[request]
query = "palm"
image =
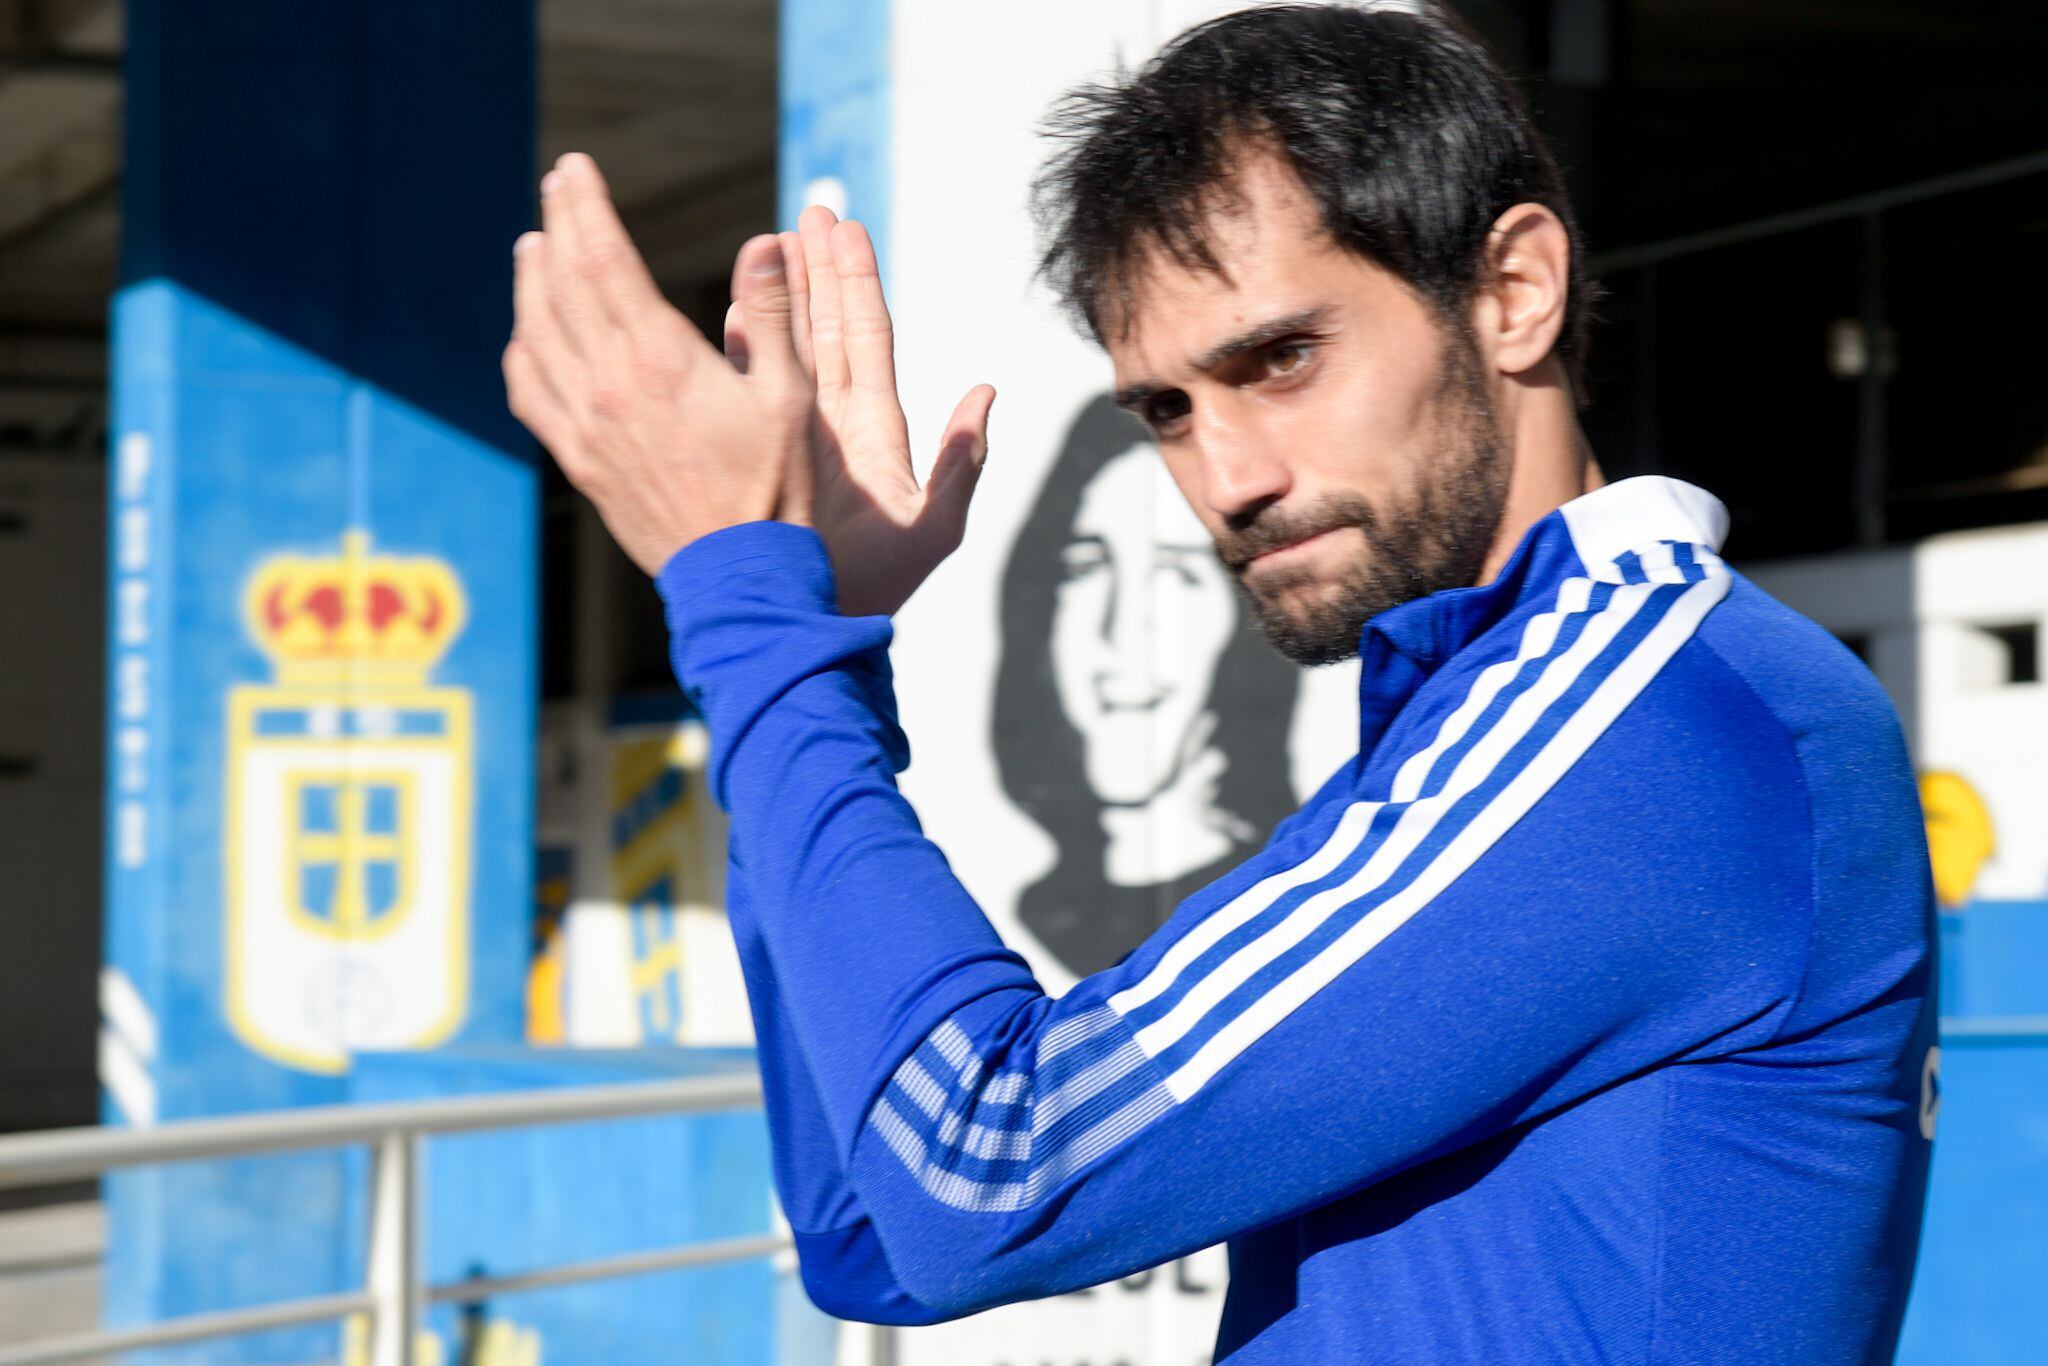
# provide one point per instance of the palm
(865, 483)
(885, 532)
(870, 509)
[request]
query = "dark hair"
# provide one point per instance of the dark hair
(1408, 137)
(1038, 750)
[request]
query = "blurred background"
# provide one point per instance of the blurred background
(340, 763)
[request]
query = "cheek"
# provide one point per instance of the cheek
(1364, 423)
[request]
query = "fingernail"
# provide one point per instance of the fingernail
(525, 242)
(767, 263)
(547, 183)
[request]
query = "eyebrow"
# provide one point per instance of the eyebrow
(1251, 339)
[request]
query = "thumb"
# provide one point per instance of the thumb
(765, 311)
(962, 453)
(736, 337)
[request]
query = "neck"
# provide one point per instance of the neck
(1552, 461)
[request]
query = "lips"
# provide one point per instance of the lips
(1272, 542)
(1284, 552)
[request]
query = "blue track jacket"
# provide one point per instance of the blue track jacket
(1585, 1015)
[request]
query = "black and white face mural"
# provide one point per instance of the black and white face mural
(1138, 716)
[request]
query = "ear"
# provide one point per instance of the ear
(1518, 309)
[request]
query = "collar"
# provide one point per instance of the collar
(1635, 515)
(1595, 535)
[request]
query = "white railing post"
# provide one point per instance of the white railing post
(394, 1272)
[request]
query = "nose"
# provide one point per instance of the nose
(1242, 470)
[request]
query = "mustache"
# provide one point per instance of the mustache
(1272, 529)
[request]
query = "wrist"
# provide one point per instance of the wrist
(664, 550)
(729, 558)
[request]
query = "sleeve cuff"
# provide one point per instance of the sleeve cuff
(769, 562)
(753, 612)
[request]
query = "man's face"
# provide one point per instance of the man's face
(1334, 437)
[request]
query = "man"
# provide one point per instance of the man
(1583, 1016)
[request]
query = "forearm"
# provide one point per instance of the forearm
(873, 940)
(844, 1267)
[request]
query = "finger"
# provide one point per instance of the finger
(534, 401)
(533, 317)
(799, 297)
(828, 349)
(765, 307)
(967, 428)
(870, 339)
(736, 334)
(963, 453)
(799, 300)
(529, 302)
(576, 314)
(606, 257)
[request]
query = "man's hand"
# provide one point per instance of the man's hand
(885, 532)
(640, 411)
(804, 425)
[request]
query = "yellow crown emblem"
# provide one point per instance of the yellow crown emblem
(368, 618)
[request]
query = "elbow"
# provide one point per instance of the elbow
(943, 1296)
(846, 1275)
(951, 1281)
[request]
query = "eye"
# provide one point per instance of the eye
(1163, 410)
(1290, 356)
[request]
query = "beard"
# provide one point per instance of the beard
(1432, 537)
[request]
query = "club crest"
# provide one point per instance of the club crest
(348, 821)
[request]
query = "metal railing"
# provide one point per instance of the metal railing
(394, 1294)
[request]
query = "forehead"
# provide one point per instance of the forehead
(1275, 258)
